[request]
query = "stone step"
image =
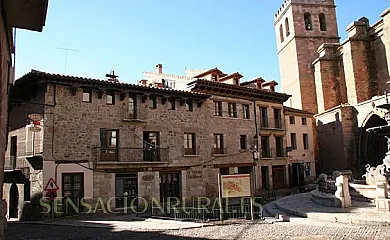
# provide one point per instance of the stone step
(271, 210)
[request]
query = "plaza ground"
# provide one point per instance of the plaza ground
(300, 229)
(306, 220)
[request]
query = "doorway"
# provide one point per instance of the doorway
(13, 201)
(264, 178)
(72, 191)
(278, 177)
(170, 185)
(126, 190)
(297, 175)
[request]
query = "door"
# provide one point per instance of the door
(170, 185)
(151, 142)
(278, 177)
(125, 190)
(13, 201)
(72, 191)
(264, 178)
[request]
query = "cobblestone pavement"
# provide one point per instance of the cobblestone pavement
(304, 229)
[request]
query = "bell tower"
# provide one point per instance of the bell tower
(301, 27)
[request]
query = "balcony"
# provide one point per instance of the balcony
(131, 155)
(12, 163)
(272, 153)
(273, 123)
(217, 151)
(191, 151)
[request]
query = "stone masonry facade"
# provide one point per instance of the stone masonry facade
(72, 140)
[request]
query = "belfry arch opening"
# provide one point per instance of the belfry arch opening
(371, 148)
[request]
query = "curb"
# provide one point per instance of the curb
(331, 218)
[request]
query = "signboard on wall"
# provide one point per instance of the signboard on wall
(238, 185)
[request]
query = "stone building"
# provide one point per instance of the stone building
(302, 166)
(300, 141)
(340, 82)
(13, 15)
(115, 141)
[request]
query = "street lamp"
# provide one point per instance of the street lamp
(255, 148)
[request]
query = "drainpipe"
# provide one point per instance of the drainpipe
(256, 147)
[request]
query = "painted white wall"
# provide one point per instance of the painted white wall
(49, 172)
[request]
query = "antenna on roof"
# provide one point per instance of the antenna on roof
(66, 54)
(112, 77)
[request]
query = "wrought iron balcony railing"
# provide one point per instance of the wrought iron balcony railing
(273, 152)
(191, 151)
(219, 151)
(131, 154)
(272, 123)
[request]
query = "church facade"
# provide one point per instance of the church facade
(341, 82)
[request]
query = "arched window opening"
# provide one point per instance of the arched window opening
(281, 33)
(308, 24)
(322, 22)
(287, 26)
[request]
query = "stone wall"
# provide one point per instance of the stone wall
(5, 80)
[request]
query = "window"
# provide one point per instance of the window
(292, 120)
(293, 137)
(278, 118)
(281, 33)
(72, 188)
(322, 22)
(246, 111)
(243, 142)
(132, 108)
(305, 141)
(87, 95)
(152, 102)
(232, 110)
(307, 19)
(236, 82)
(213, 77)
(265, 150)
(189, 106)
(218, 143)
(244, 170)
(13, 152)
(108, 145)
(263, 117)
(110, 98)
(287, 26)
(224, 171)
(171, 104)
(304, 121)
(279, 147)
(218, 108)
(189, 144)
(168, 83)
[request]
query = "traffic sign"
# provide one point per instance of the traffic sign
(51, 195)
(51, 185)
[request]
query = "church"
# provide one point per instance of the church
(340, 81)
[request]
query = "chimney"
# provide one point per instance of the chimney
(159, 68)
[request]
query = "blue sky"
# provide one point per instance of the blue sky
(131, 36)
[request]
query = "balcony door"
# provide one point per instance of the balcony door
(151, 143)
(109, 145)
